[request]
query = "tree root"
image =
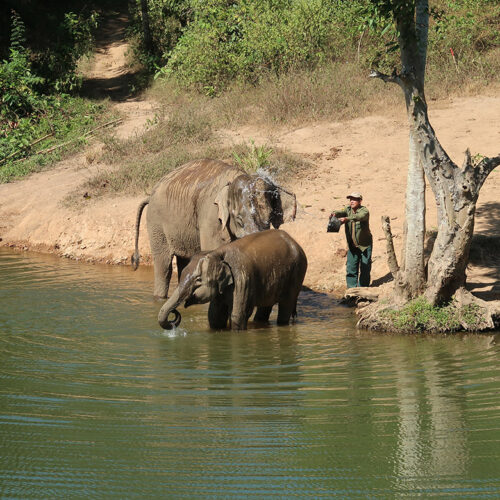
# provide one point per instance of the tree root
(361, 293)
(487, 313)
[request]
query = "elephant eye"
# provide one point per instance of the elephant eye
(239, 220)
(198, 280)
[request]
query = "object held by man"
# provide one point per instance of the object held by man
(333, 224)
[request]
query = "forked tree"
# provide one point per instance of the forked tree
(456, 189)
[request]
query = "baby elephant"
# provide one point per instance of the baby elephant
(258, 270)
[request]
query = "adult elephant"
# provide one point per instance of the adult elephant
(202, 205)
(258, 270)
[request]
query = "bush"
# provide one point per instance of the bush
(462, 33)
(167, 19)
(30, 120)
(207, 45)
(247, 40)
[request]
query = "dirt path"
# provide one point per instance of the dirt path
(110, 76)
(368, 154)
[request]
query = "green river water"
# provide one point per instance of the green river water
(96, 401)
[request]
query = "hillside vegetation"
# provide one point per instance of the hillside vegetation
(210, 44)
(224, 63)
(41, 115)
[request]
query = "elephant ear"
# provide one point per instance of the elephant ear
(225, 277)
(222, 201)
(284, 207)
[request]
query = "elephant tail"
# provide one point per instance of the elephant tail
(135, 258)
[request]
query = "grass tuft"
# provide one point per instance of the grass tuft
(419, 316)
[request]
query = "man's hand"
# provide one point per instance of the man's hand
(343, 220)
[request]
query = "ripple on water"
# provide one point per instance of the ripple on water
(97, 400)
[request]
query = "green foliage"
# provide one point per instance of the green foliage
(53, 37)
(167, 19)
(246, 40)
(251, 157)
(72, 39)
(18, 96)
(207, 45)
(472, 316)
(463, 31)
(63, 125)
(30, 120)
(420, 316)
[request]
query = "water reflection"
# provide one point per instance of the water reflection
(96, 400)
(437, 429)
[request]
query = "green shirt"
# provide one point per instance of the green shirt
(357, 227)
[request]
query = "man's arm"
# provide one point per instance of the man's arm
(340, 213)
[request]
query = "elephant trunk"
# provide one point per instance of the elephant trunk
(170, 308)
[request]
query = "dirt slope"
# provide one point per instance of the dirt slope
(368, 154)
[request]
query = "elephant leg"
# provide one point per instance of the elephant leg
(218, 314)
(286, 307)
(239, 318)
(162, 260)
(181, 264)
(162, 273)
(285, 311)
(243, 307)
(262, 314)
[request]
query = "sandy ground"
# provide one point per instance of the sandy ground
(368, 155)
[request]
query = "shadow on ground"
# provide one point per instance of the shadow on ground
(119, 87)
(485, 254)
(489, 214)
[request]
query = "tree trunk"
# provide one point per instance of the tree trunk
(148, 40)
(413, 251)
(455, 189)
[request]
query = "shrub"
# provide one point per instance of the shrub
(31, 120)
(252, 158)
(206, 45)
(247, 40)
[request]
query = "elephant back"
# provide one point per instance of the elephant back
(196, 176)
(267, 248)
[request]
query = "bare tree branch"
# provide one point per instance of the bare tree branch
(394, 78)
(391, 254)
(487, 165)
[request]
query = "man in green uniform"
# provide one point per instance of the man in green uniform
(359, 240)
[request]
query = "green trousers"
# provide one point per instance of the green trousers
(358, 267)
